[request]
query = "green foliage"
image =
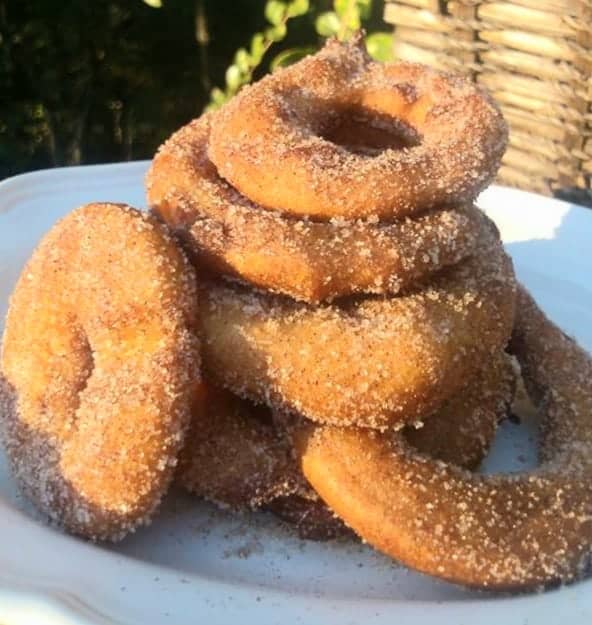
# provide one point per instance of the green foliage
(380, 46)
(346, 18)
(298, 7)
(343, 21)
(276, 12)
(362, 7)
(328, 24)
(290, 56)
(246, 61)
(109, 80)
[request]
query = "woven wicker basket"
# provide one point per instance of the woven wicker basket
(535, 57)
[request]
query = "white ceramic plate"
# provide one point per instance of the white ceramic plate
(198, 565)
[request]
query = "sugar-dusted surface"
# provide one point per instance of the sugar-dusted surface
(308, 260)
(99, 356)
(235, 456)
(462, 430)
(375, 361)
(514, 531)
(175, 570)
(270, 141)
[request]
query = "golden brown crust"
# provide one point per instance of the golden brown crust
(462, 429)
(310, 261)
(372, 362)
(490, 531)
(273, 142)
(100, 360)
(460, 432)
(233, 456)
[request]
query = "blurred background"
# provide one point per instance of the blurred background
(91, 81)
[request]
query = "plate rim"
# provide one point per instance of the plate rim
(55, 603)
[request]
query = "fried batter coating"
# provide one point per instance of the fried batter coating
(373, 362)
(279, 141)
(460, 432)
(100, 361)
(462, 429)
(503, 532)
(307, 260)
(235, 457)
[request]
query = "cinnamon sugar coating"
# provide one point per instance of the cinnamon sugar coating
(278, 141)
(307, 260)
(460, 432)
(375, 362)
(100, 361)
(462, 429)
(235, 456)
(504, 532)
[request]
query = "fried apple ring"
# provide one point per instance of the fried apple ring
(310, 261)
(462, 429)
(235, 457)
(503, 532)
(460, 432)
(373, 362)
(100, 360)
(277, 141)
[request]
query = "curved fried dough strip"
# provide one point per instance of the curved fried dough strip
(236, 457)
(276, 143)
(511, 531)
(373, 362)
(233, 456)
(101, 359)
(462, 430)
(310, 261)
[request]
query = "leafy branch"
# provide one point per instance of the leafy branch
(346, 18)
(246, 61)
(342, 22)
